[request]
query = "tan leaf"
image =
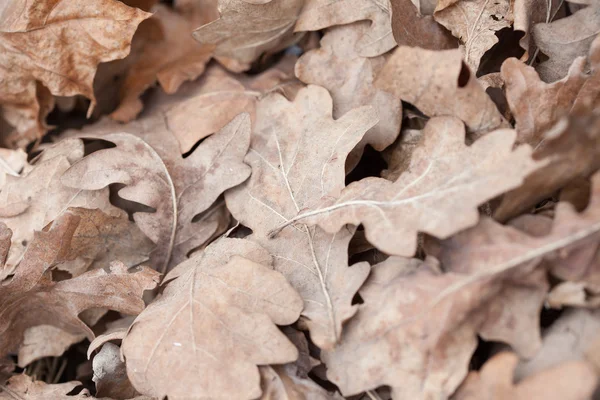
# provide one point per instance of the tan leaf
(349, 79)
(475, 23)
(110, 375)
(439, 83)
(246, 29)
(32, 298)
(59, 45)
(568, 381)
(377, 40)
(115, 330)
(566, 39)
(438, 195)
(527, 14)
(158, 177)
(297, 154)
(45, 341)
(570, 150)
(279, 383)
(24, 387)
(35, 198)
(399, 154)
(211, 327)
(168, 53)
(12, 163)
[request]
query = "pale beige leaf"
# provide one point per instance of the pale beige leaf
(58, 45)
(110, 375)
(278, 383)
(247, 29)
(45, 341)
(349, 79)
(527, 14)
(211, 327)
(23, 387)
(377, 40)
(475, 23)
(297, 154)
(438, 195)
(439, 83)
(115, 330)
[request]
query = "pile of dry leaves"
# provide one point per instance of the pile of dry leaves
(300, 199)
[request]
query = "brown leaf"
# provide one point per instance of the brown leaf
(568, 381)
(439, 83)
(58, 45)
(527, 14)
(349, 79)
(110, 375)
(377, 40)
(168, 53)
(45, 341)
(24, 387)
(32, 298)
(115, 330)
(475, 23)
(246, 29)
(279, 383)
(211, 328)
(297, 154)
(438, 195)
(565, 40)
(158, 177)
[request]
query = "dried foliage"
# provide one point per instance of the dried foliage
(299, 199)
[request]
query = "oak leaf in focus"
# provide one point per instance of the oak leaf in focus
(53, 47)
(24, 387)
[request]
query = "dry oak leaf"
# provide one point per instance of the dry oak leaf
(375, 41)
(475, 23)
(23, 387)
(575, 380)
(41, 341)
(59, 45)
(110, 375)
(115, 330)
(35, 198)
(280, 383)
(32, 298)
(411, 28)
(246, 29)
(183, 191)
(211, 328)
(566, 39)
(297, 154)
(527, 14)
(349, 79)
(170, 56)
(405, 336)
(438, 195)
(570, 150)
(439, 83)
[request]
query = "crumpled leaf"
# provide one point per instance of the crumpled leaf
(297, 154)
(569, 381)
(246, 29)
(168, 54)
(24, 387)
(32, 298)
(349, 79)
(528, 13)
(115, 330)
(475, 23)
(35, 198)
(110, 375)
(566, 39)
(45, 341)
(160, 178)
(439, 83)
(211, 327)
(438, 195)
(55, 47)
(377, 40)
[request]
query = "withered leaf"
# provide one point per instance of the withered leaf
(439, 83)
(32, 298)
(160, 178)
(438, 195)
(377, 40)
(211, 327)
(24, 387)
(349, 79)
(569, 381)
(110, 375)
(475, 23)
(45, 341)
(279, 383)
(57, 45)
(297, 154)
(246, 29)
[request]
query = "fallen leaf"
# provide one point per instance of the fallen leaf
(110, 375)
(115, 330)
(377, 40)
(55, 47)
(45, 341)
(349, 79)
(211, 327)
(475, 23)
(439, 83)
(24, 387)
(246, 29)
(297, 154)
(568, 381)
(278, 383)
(527, 14)
(438, 195)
